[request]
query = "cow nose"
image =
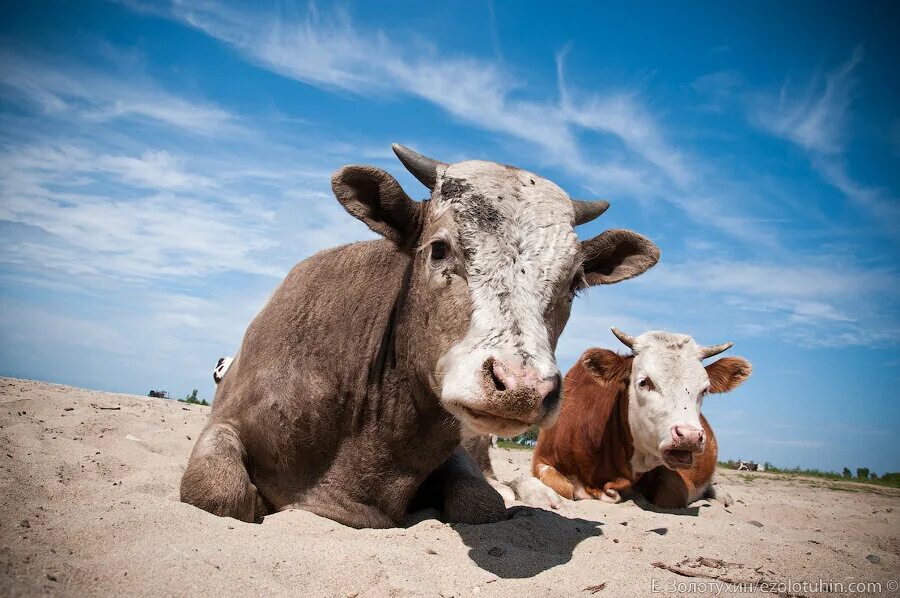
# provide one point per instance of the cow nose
(551, 399)
(510, 377)
(687, 435)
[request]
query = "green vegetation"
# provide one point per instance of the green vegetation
(192, 399)
(524, 441)
(863, 474)
(511, 444)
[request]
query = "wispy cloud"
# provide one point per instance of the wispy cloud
(795, 280)
(64, 164)
(161, 215)
(877, 201)
(621, 115)
(329, 50)
(717, 88)
(812, 302)
(59, 87)
(815, 118)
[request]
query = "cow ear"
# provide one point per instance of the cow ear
(727, 373)
(616, 255)
(375, 197)
(606, 366)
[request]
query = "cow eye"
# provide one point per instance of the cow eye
(646, 384)
(438, 251)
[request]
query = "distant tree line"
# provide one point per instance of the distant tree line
(863, 474)
(192, 399)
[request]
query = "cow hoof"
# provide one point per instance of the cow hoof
(473, 501)
(611, 496)
(535, 493)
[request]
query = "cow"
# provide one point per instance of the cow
(355, 383)
(633, 422)
(749, 466)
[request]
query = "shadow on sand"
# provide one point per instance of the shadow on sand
(645, 505)
(531, 541)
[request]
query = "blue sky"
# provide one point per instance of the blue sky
(163, 166)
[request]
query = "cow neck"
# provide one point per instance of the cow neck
(622, 423)
(386, 357)
(422, 434)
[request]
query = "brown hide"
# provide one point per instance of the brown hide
(298, 408)
(591, 440)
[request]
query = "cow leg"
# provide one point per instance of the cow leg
(611, 491)
(462, 491)
(556, 481)
(216, 479)
(350, 514)
(478, 448)
(534, 492)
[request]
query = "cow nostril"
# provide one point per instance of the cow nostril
(552, 398)
(498, 383)
(678, 432)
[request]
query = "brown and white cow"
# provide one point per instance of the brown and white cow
(634, 421)
(354, 383)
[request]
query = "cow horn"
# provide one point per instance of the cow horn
(421, 167)
(626, 339)
(585, 211)
(714, 350)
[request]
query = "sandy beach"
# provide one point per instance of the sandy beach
(90, 507)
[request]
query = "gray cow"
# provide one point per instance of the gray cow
(354, 383)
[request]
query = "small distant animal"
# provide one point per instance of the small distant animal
(221, 367)
(749, 466)
(354, 385)
(633, 422)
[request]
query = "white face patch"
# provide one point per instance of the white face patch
(519, 249)
(668, 383)
(221, 367)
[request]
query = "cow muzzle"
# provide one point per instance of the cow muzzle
(514, 397)
(686, 442)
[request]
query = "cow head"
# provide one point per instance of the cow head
(495, 266)
(666, 386)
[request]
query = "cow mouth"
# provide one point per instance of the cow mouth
(494, 423)
(678, 458)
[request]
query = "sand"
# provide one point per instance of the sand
(89, 500)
